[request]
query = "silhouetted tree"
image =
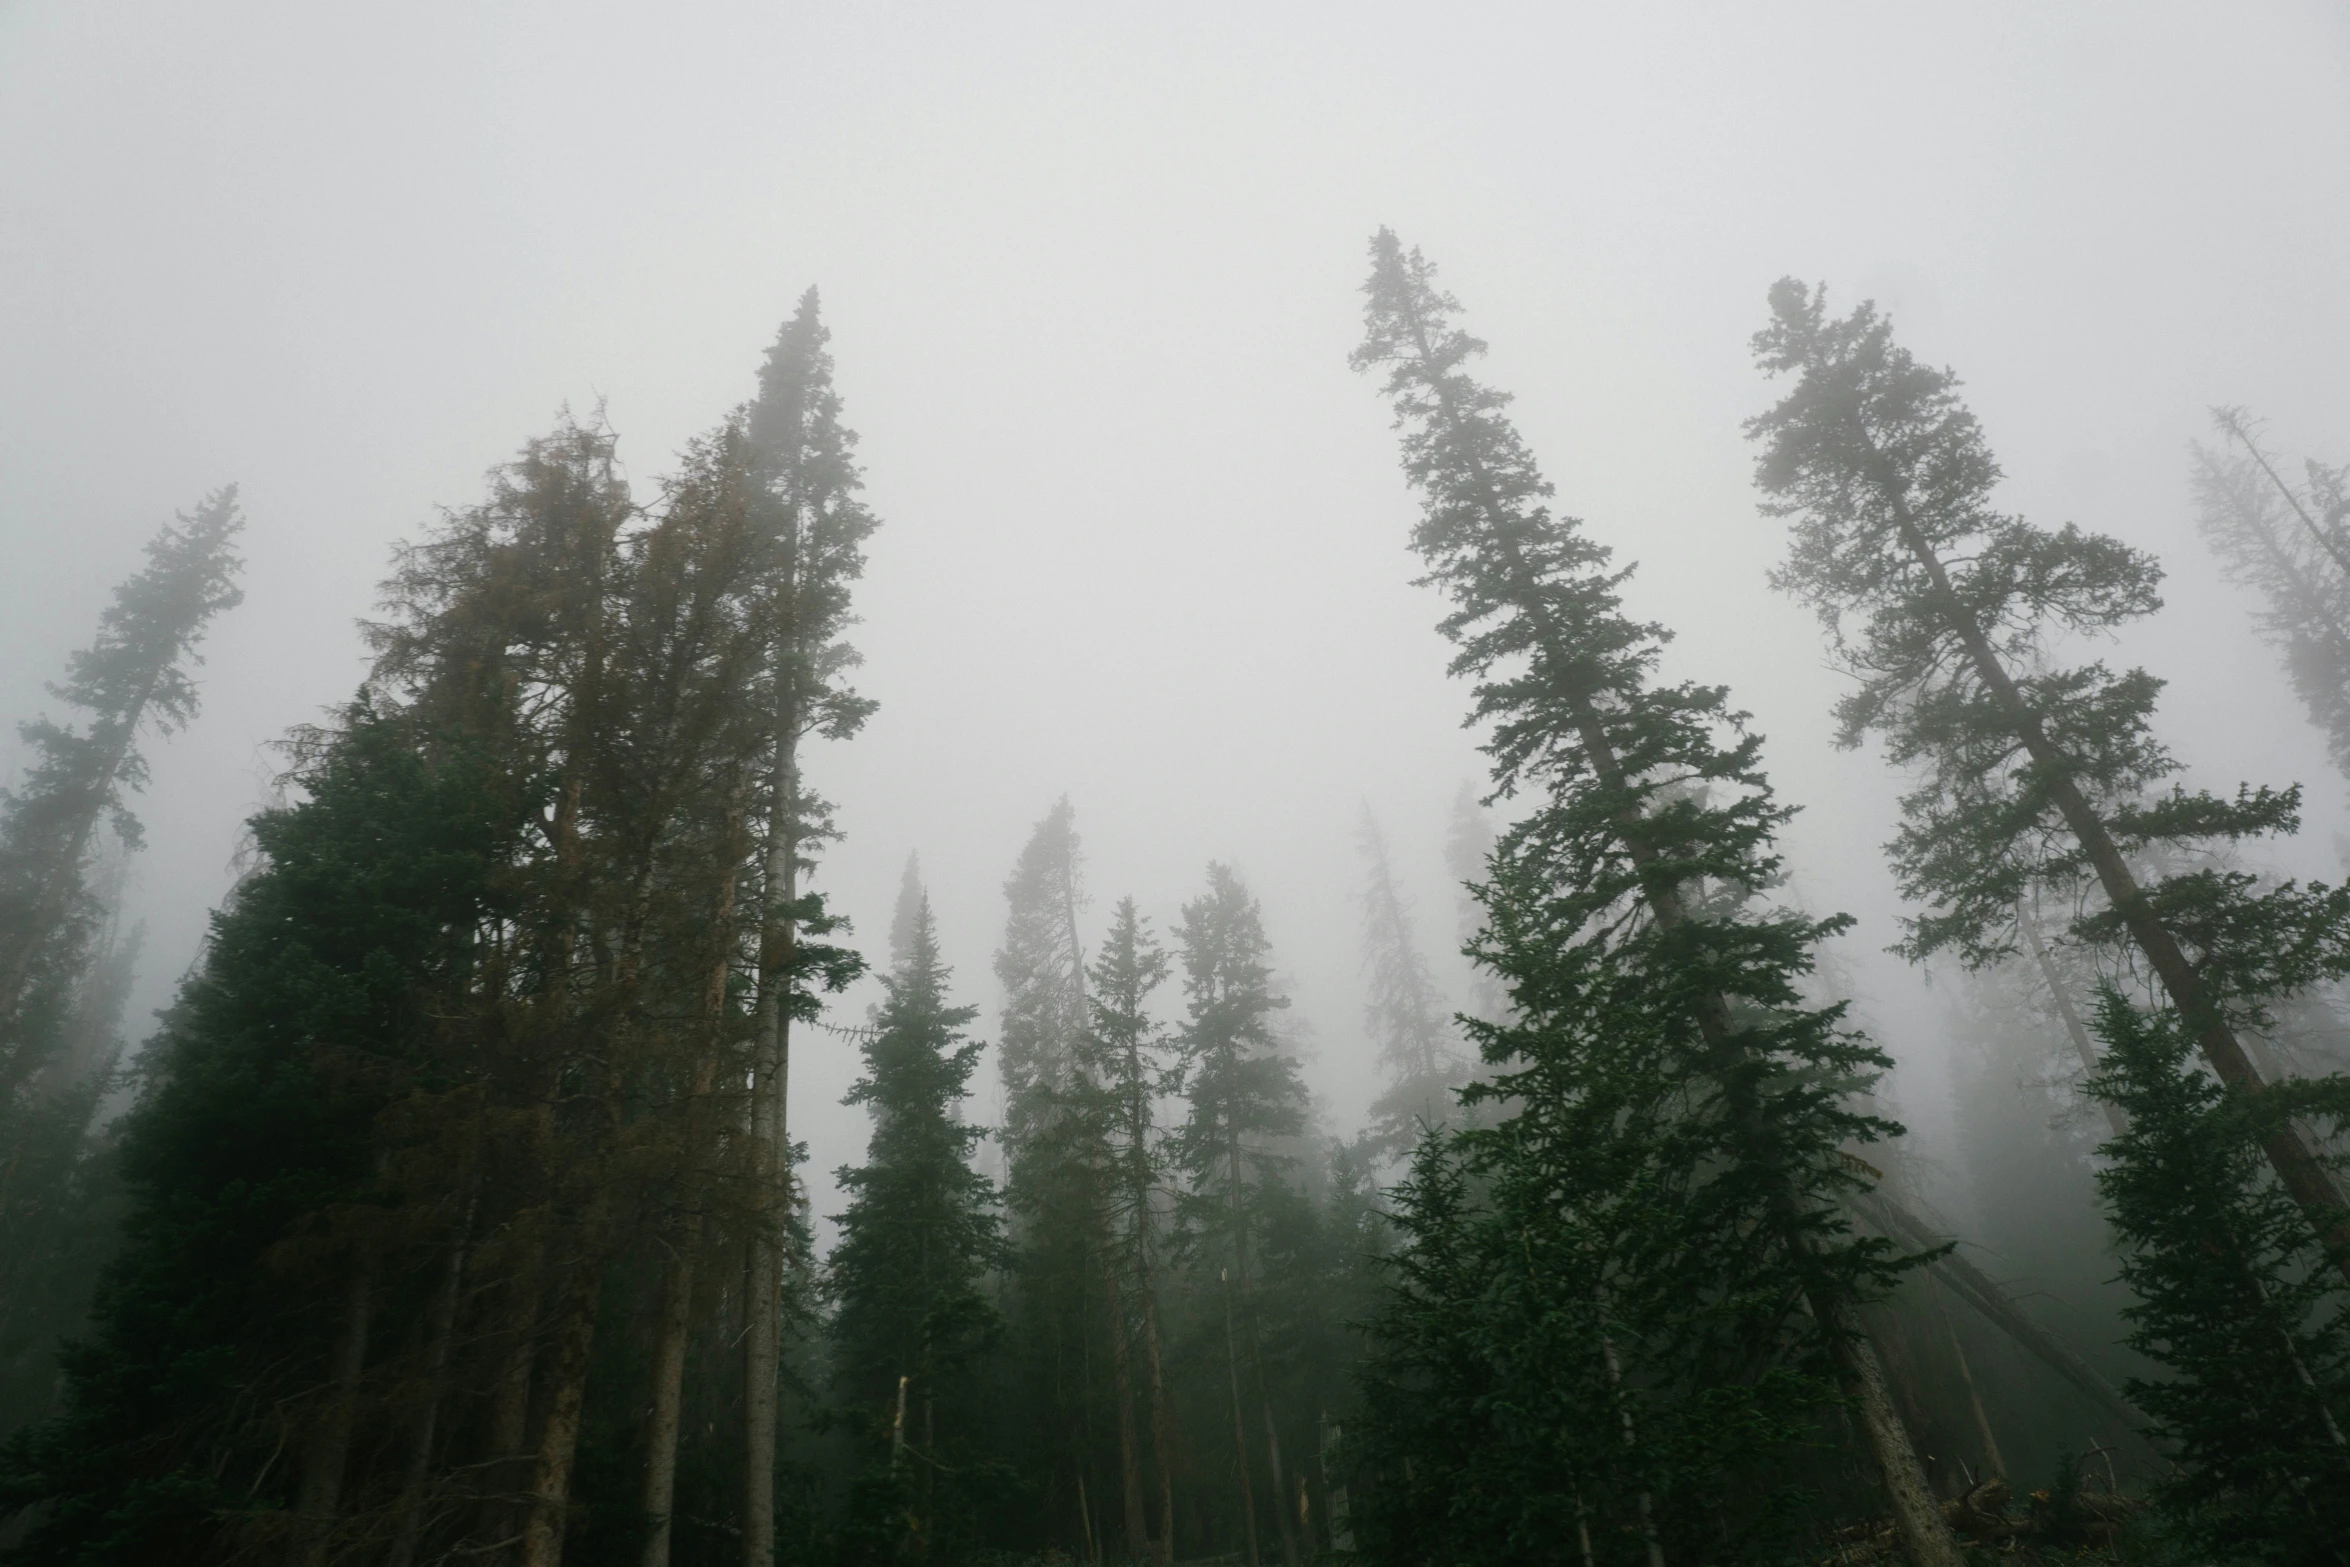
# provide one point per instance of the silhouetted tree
(1644, 983)
(2235, 1298)
(2036, 777)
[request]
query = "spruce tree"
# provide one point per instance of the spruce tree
(1242, 1097)
(2036, 778)
(2290, 544)
(357, 921)
(2235, 1297)
(910, 1317)
(135, 678)
(1059, 1125)
(1406, 1015)
(1122, 1061)
(1640, 971)
(804, 506)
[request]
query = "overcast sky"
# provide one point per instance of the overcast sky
(1091, 273)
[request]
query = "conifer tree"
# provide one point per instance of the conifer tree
(2290, 544)
(2235, 1298)
(1468, 843)
(910, 1319)
(1639, 973)
(2036, 776)
(1056, 1147)
(135, 678)
(1242, 1096)
(804, 506)
(358, 916)
(1406, 1014)
(1121, 1063)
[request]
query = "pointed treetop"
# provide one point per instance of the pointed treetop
(905, 921)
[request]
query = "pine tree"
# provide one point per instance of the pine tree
(1640, 974)
(2037, 777)
(2235, 1298)
(134, 678)
(1057, 1129)
(1405, 1014)
(910, 1319)
(357, 918)
(804, 506)
(1121, 1063)
(1243, 1095)
(2289, 544)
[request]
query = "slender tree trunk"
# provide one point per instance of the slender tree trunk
(661, 1425)
(1162, 1437)
(408, 1524)
(1966, 1375)
(329, 1450)
(1248, 1503)
(567, 1375)
(1644, 1507)
(1284, 1524)
(770, 1150)
(1122, 1386)
(507, 1507)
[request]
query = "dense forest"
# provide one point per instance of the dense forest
(457, 1210)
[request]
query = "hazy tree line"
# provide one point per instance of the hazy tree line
(452, 1214)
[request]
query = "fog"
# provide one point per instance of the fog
(1091, 275)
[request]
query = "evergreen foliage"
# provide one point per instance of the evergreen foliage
(2235, 1298)
(134, 677)
(301, 1026)
(1405, 1014)
(2036, 778)
(1242, 1097)
(1669, 1170)
(910, 1319)
(2290, 544)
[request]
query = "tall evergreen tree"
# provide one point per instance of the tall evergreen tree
(1622, 921)
(910, 1318)
(2291, 545)
(1056, 1145)
(804, 506)
(1122, 1061)
(135, 678)
(1243, 1096)
(1406, 1014)
(358, 917)
(2235, 1298)
(2036, 776)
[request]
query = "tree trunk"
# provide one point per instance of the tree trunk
(567, 1375)
(1993, 1462)
(1644, 1507)
(661, 1426)
(408, 1523)
(1917, 1519)
(2304, 1175)
(1122, 1386)
(770, 1153)
(1162, 1436)
(329, 1449)
(1248, 1502)
(509, 1412)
